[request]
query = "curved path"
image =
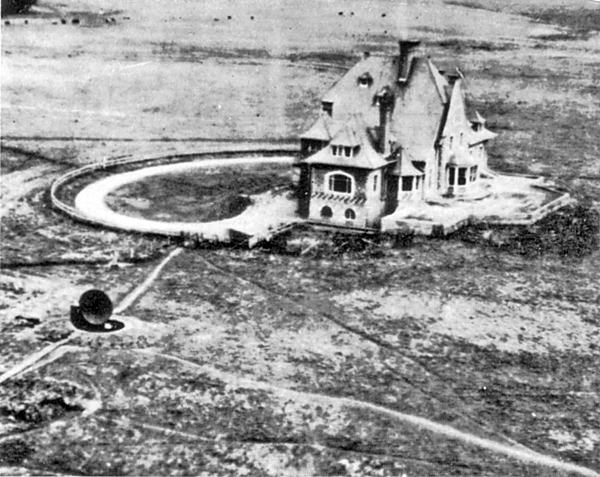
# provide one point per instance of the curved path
(255, 220)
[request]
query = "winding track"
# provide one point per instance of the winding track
(91, 202)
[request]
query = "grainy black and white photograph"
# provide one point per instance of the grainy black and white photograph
(300, 238)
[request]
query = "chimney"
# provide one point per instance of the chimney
(409, 50)
(386, 104)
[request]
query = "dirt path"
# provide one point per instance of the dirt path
(30, 362)
(516, 452)
(254, 220)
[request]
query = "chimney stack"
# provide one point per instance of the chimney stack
(386, 104)
(409, 50)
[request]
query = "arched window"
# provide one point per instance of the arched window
(326, 212)
(350, 214)
(340, 182)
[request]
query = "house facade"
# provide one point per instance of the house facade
(391, 131)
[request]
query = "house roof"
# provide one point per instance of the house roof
(440, 82)
(323, 129)
(355, 133)
(426, 107)
(419, 111)
(476, 137)
(478, 118)
(348, 134)
(404, 167)
(349, 96)
(461, 159)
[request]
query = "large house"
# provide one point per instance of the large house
(392, 131)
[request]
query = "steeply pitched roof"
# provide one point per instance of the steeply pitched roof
(350, 97)
(348, 135)
(418, 112)
(440, 82)
(423, 106)
(366, 158)
(476, 137)
(323, 129)
(404, 167)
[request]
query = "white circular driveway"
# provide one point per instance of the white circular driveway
(256, 220)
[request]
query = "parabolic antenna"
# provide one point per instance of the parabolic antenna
(95, 307)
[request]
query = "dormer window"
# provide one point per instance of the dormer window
(365, 80)
(327, 107)
(344, 151)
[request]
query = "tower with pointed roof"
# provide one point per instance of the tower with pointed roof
(392, 130)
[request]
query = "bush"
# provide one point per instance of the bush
(11, 7)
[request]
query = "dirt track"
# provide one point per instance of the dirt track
(255, 220)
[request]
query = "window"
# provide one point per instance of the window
(340, 183)
(341, 151)
(481, 150)
(375, 181)
(461, 138)
(451, 141)
(407, 183)
(350, 214)
(417, 180)
(473, 176)
(462, 176)
(327, 107)
(451, 176)
(365, 80)
(326, 212)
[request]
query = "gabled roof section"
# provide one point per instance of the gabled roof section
(323, 129)
(366, 158)
(418, 112)
(404, 167)
(480, 136)
(478, 118)
(349, 96)
(441, 83)
(348, 135)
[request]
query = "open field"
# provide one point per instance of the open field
(262, 363)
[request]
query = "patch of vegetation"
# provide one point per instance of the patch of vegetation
(12, 7)
(459, 45)
(572, 231)
(536, 134)
(329, 57)
(474, 4)
(580, 22)
(13, 452)
(198, 196)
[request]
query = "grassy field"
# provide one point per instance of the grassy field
(265, 363)
(199, 196)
